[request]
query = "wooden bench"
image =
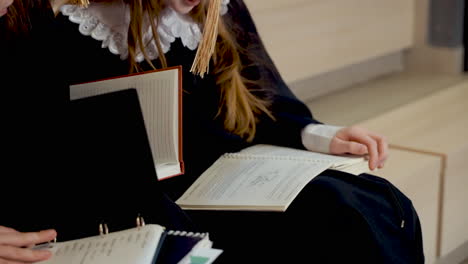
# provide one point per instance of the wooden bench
(435, 127)
(418, 177)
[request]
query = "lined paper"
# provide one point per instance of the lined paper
(137, 245)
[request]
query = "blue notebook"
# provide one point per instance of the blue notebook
(178, 245)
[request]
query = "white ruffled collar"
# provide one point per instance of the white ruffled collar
(101, 21)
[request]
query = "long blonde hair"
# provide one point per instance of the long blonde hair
(238, 106)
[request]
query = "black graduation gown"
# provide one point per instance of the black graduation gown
(337, 218)
(33, 101)
(41, 186)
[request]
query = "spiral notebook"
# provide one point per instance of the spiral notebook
(262, 177)
(146, 244)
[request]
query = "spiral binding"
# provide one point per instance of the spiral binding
(185, 233)
(140, 222)
(270, 157)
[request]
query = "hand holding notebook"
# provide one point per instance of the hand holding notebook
(262, 177)
(146, 244)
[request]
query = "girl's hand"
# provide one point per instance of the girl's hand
(359, 141)
(14, 245)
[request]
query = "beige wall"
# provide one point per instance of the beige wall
(310, 37)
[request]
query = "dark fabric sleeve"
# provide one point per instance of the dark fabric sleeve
(290, 113)
(34, 100)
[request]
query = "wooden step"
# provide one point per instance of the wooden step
(437, 123)
(367, 100)
(425, 117)
(418, 177)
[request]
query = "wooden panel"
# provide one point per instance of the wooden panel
(455, 214)
(417, 176)
(310, 37)
(438, 123)
(346, 77)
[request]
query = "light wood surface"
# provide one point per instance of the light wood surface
(455, 214)
(310, 37)
(459, 256)
(417, 176)
(425, 112)
(373, 98)
(346, 77)
(437, 123)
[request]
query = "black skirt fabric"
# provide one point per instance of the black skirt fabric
(337, 218)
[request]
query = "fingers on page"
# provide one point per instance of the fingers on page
(382, 148)
(20, 239)
(4, 229)
(13, 253)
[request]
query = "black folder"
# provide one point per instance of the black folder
(109, 136)
(111, 176)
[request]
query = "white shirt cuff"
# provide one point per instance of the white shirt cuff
(318, 137)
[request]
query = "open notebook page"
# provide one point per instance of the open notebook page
(347, 163)
(158, 95)
(137, 245)
(251, 182)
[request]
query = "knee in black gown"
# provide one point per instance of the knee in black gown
(337, 218)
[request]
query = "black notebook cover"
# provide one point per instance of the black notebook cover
(111, 175)
(109, 135)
